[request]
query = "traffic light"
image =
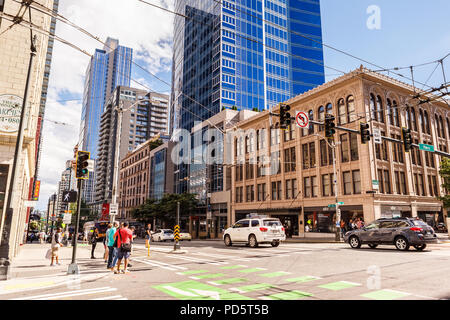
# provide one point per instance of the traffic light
(330, 126)
(81, 171)
(285, 116)
(407, 140)
(365, 132)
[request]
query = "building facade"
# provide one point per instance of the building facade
(240, 53)
(108, 68)
(14, 64)
(161, 171)
(141, 122)
(296, 182)
(68, 182)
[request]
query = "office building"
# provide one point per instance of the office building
(109, 67)
(247, 54)
(373, 180)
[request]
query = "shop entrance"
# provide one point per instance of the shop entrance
(290, 223)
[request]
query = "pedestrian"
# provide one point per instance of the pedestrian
(358, 223)
(56, 243)
(124, 239)
(342, 226)
(105, 247)
(94, 238)
(148, 235)
(350, 225)
(112, 255)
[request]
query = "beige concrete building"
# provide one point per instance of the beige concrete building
(298, 184)
(14, 61)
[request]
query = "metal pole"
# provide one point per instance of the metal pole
(5, 238)
(73, 267)
(338, 212)
(116, 160)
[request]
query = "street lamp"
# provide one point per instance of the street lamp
(120, 110)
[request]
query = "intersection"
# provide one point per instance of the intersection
(211, 271)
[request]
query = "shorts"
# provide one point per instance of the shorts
(55, 251)
(123, 254)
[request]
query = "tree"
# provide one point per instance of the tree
(155, 144)
(445, 174)
(166, 208)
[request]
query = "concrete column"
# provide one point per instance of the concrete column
(413, 210)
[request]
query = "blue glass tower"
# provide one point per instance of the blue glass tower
(108, 68)
(244, 53)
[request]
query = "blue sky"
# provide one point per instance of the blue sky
(412, 32)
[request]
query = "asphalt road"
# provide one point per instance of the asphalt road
(209, 270)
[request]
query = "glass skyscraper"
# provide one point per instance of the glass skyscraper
(251, 54)
(108, 68)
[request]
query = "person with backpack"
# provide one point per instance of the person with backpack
(124, 237)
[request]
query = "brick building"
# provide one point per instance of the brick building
(298, 186)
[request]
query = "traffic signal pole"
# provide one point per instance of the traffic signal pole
(73, 267)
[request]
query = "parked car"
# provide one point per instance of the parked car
(162, 235)
(401, 232)
(441, 227)
(185, 236)
(254, 231)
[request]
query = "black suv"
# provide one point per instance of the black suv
(401, 232)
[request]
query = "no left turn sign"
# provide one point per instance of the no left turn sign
(302, 120)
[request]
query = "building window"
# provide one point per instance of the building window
(380, 110)
(315, 187)
(275, 163)
(342, 112)
(351, 111)
(427, 122)
(321, 117)
(261, 192)
(326, 185)
(307, 187)
(387, 182)
(312, 155)
(356, 182)
(289, 159)
(250, 191)
(347, 179)
(354, 156)
(288, 189)
(344, 148)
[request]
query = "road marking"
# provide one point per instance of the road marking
(187, 273)
(340, 285)
(197, 260)
(227, 281)
(291, 295)
(251, 270)
(209, 276)
(22, 286)
(68, 294)
(274, 274)
(180, 292)
(385, 294)
(234, 267)
(111, 298)
(303, 279)
(162, 265)
(253, 287)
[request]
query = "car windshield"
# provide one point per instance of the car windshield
(420, 223)
(168, 231)
(272, 223)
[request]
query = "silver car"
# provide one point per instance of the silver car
(401, 232)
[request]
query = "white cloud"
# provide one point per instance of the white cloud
(146, 29)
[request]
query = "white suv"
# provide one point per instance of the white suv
(255, 230)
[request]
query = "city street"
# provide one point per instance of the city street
(209, 270)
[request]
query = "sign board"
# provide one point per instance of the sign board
(37, 189)
(91, 165)
(10, 111)
(332, 205)
(375, 184)
(302, 120)
(426, 147)
(69, 196)
(67, 218)
(113, 209)
(209, 215)
(105, 212)
(30, 203)
(376, 132)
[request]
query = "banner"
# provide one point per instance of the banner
(37, 189)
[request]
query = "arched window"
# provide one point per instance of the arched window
(329, 108)
(421, 122)
(342, 114)
(351, 112)
(395, 113)
(321, 117)
(413, 120)
(380, 109)
(441, 122)
(373, 114)
(426, 120)
(438, 129)
(389, 112)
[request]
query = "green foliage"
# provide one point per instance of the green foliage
(34, 225)
(445, 174)
(166, 208)
(155, 144)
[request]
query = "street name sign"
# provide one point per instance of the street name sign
(426, 147)
(377, 136)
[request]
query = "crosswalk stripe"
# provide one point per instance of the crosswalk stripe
(108, 298)
(68, 294)
(197, 260)
(161, 265)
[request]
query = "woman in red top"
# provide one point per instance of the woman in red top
(123, 235)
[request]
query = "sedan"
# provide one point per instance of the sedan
(185, 236)
(162, 235)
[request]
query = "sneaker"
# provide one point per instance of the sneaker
(116, 272)
(122, 271)
(126, 271)
(58, 263)
(129, 265)
(52, 265)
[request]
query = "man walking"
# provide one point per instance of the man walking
(148, 235)
(94, 242)
(112, 254)
(124, 240)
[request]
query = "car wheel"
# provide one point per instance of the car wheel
(253, 243)
(401, 243)
(275, 243)
(227, 241)
(354, 242)
(373, 246)
(420, 247)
